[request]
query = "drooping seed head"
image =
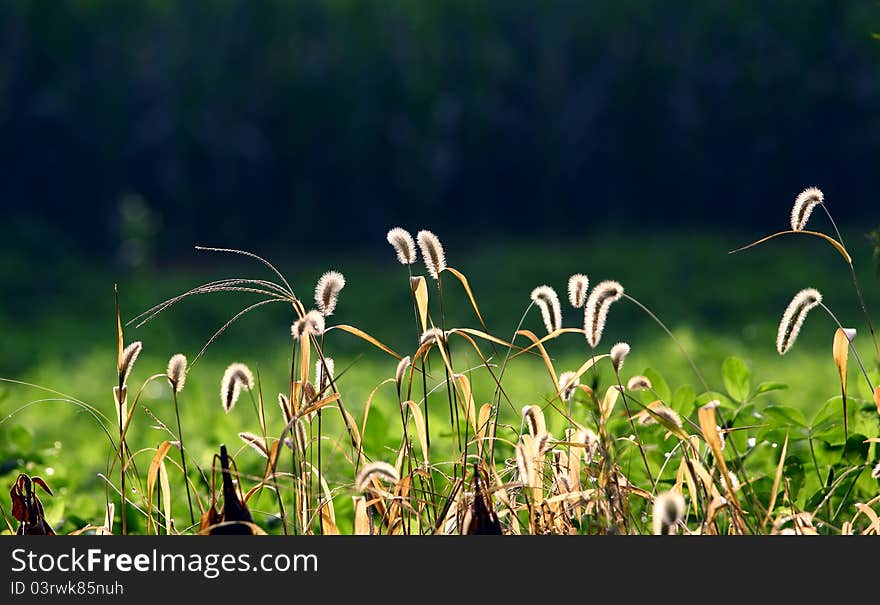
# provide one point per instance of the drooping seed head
(402, 367)
(664, 412)
(236, 377)
(568, 382)
(284, 404)
(639, 383)
(432, 335)
(432, 253)
(578, 284)
(668, 513)
(596, 309)
(534, 418)
(547, 301)
(324, 379)
(875, 472)
(129, 356)
(311, 324)
(403, 245)
(327, 291)
(806, 201)
(177, 372)
(257, 443)
(379, 470)
(794, 316)
(618, 355)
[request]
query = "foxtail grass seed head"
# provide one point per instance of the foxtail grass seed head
(129, 356)
(284, 404)
(875, 473)
(323, 379)
(578, 284)
(668, 513)
(618, 355)
(177, 372)
(402, 367)
(327, 291)
(547, 301)
(568, 382)
(794, 316)
(534, 418)
(804, 204)
(639, 383)
(378, 470)
(596, 309)
(432, 253)
(432, 335)
(236, 377)
(403, 245)
(665, 412)
(255, 442)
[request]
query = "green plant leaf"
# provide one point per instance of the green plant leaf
(661, 387)
(783, 415)
(737, 378)
(683, 400)
(766, 387)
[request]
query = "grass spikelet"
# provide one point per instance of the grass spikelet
(432, 253)
(381, 470)
(875, 473)
(129, 356)
(403, 245)
(177, 372)
(664, 412)
(284, 404)
(402, 367)
(578, 284)
(255, 442)
(312, 324)
(548, 302)
(668, 513)
(804, 204)
(596, 309)
(236, 377)
(639, 383)
(568, 382)
(323, 379)
(525, 465)
(793, 318)
(618, 355)
(432, 335)
(534, 418)
(327, 292)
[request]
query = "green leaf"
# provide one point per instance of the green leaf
(737, 378)
(766, 387)
(827, 424)
(683, 399)
(660, 385)
(783, 415)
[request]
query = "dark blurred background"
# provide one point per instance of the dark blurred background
(140, 128)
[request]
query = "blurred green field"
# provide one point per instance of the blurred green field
(58, 327)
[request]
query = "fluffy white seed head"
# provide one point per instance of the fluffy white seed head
(618, 355)
(547, 301)
(432, 253)
(596, 310)
(668, 513)
(568, 382)
(432, 335)
(534, 419)
(129, 356)
(312, 324)
(177, 372)
(402, 367)
(804, 204)
(639, 383)
(327, 291)
(578, 284)
(375, 470)
(403, 245)
(236, 378)
(794, 316)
